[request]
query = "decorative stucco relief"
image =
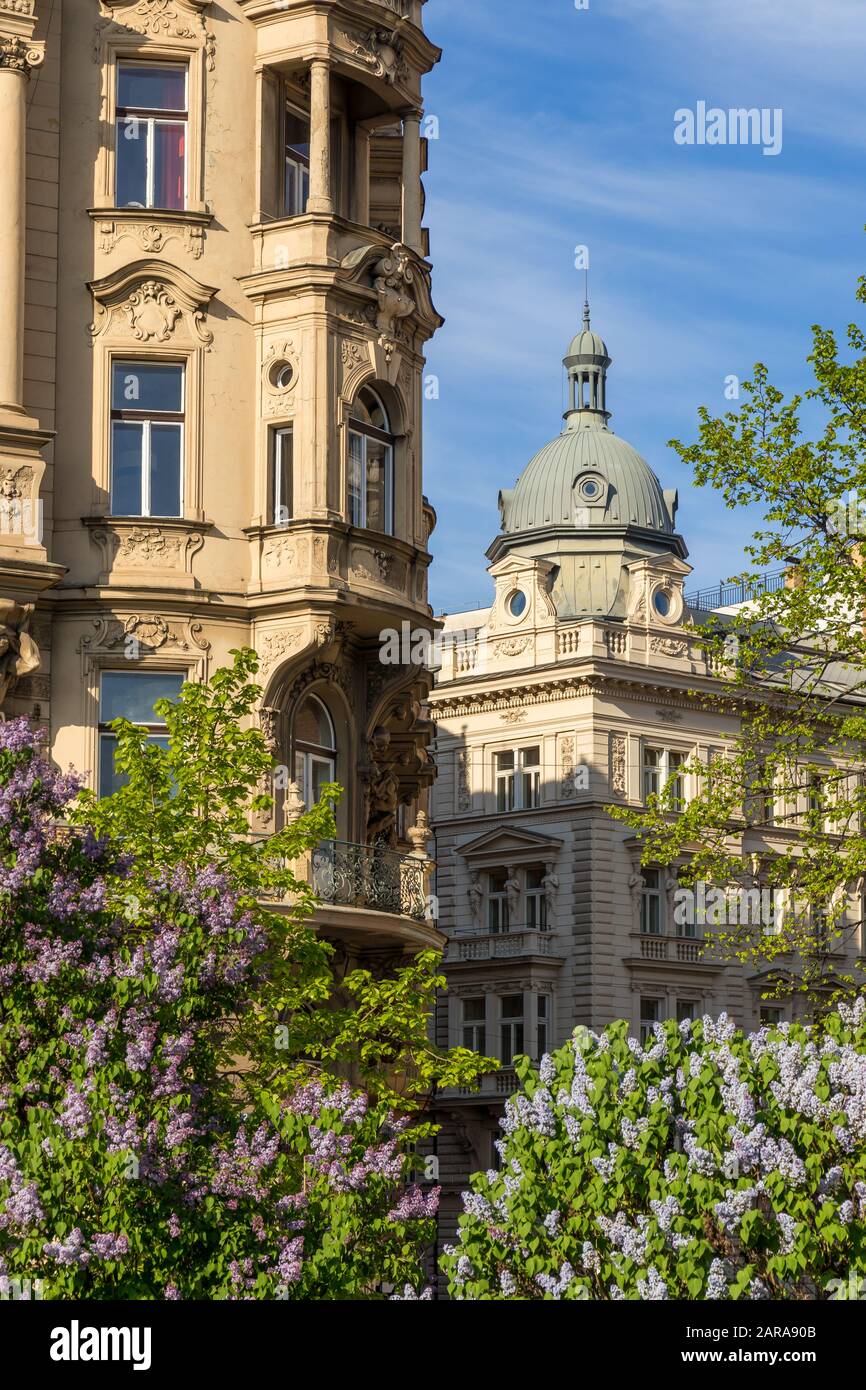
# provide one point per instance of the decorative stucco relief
(175, 19)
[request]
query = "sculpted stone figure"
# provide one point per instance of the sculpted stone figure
(382, 807)
(19, 654)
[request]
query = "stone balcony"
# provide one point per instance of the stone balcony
(510, 945)
(649, 949)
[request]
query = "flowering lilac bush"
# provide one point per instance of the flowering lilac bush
(708, 1165)
(139, 1158)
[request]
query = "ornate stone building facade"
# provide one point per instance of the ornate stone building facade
(216, 298)
(580, 688)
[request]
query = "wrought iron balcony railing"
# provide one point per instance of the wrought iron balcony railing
(369, 876)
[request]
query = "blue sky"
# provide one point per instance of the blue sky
(556, 130)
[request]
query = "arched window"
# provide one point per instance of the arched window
(371, 464)
(315, 749)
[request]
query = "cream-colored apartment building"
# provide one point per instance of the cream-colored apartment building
(216, 296)
(581, 687)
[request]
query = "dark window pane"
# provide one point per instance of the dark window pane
(165, 470)
(131, 695)
(131, 174)
(375, 485)
(109, 780)
(283, 500)
(157, 88)
(169, 178)
(147, 386)
(126, 465)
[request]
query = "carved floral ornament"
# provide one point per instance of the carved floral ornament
(172, 19)
(151, 236)
(150, 303)
(150, 630)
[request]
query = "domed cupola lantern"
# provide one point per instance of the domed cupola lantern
(587, 509)
(587, 362)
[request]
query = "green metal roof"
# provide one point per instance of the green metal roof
(548, 490)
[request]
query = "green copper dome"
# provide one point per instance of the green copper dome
(586, 470)
(587, 501)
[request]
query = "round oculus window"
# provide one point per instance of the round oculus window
(590, 489)
(661, 603)
(517, 603)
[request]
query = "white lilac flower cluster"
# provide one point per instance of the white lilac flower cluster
(719, 1118)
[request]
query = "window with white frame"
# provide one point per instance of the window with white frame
(371, 464)
(536, 900)
(147, 424)
(296, 187)
(650, 1014)
(517, 774)
(511, 1027)
(315, 749)
(282, 480)
(651, 902)
(660, 767)
(542, 1025)
(474, 1027)
(497, 901)
(152, 131)
(688, 1010)
(131, 695)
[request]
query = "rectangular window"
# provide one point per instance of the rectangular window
(282, 484)
(771, 1015)
(151, 141)
(147, 414)
(687, 1010)
(504, 769)
(650, 1014)
(517, 792)
(511, 1027)
(474, 1031)
(530, 777)
(651, 903)
(296, 189)
(542, 1039)
(660, 767)
(371, 483)
(536, 900)
(497, 901)
(131, 695)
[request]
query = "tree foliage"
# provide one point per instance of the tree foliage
(792, 669)
(705, 1165)
(176, 1113)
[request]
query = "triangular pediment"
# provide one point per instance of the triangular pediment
(508, 843)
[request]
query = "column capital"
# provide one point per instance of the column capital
(22, 55)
